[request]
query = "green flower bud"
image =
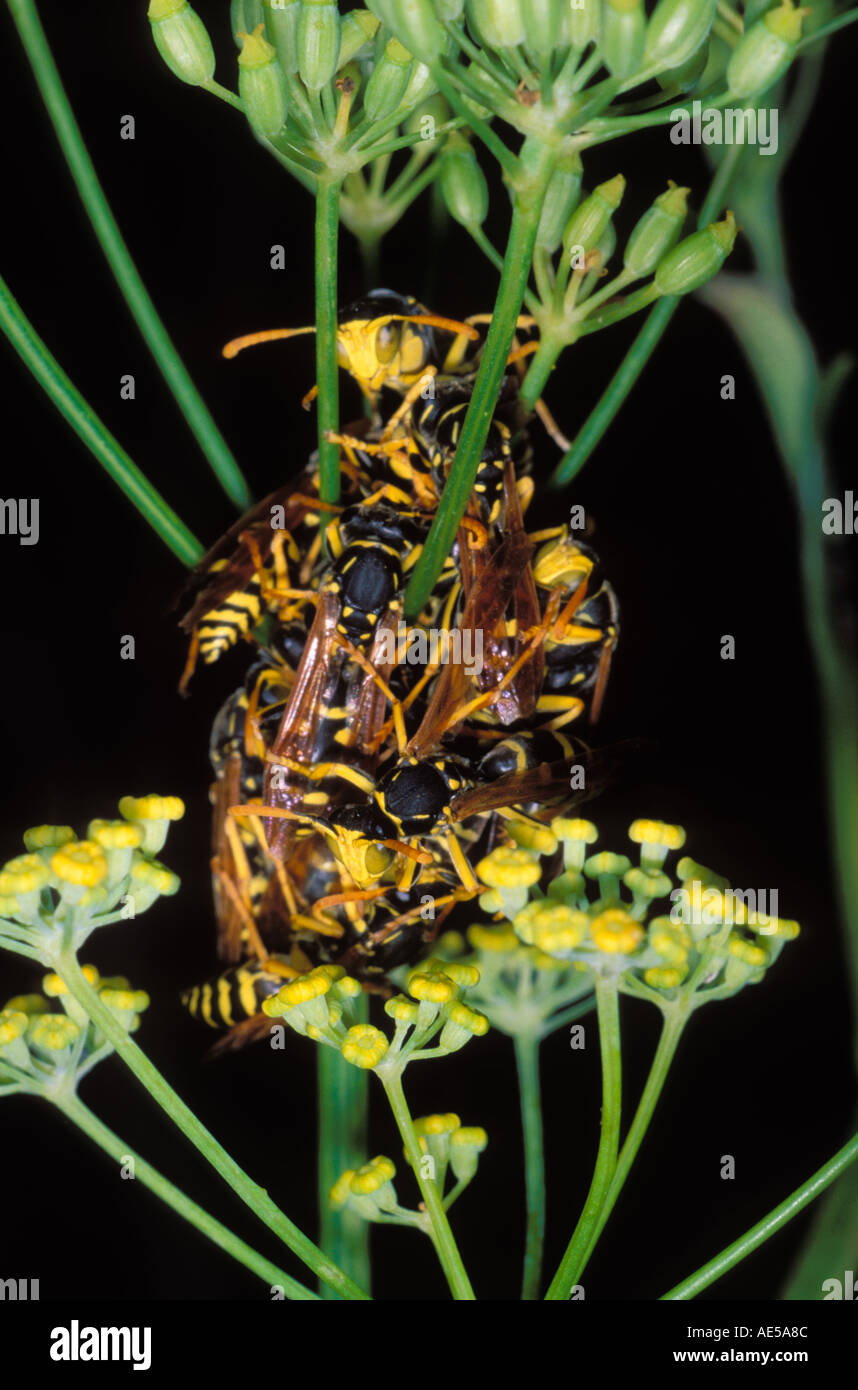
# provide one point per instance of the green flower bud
(765, 51)
(463, 183)
(604, 248)
(357, 30)
(500, 22)
(182, 40)
(318, 42)
(245, 15)
(676, 31)
(543, 24)
(449, 11)
(685, 75)
(386, 86)
(561, 197)
(582, 23)
(261, 84)
(655, 233)
(415, 25)
(590, 220)
(696, 259)
(281, 26)
(623, 36)
(421, 86)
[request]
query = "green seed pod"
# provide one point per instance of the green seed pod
(623, 36)
(449, 11)
(182, 41)
(561, 197)
(765, 51)
(676, 30)
(318, 43)
(357, 30)
(589, 221)
(421, 86)
(261, 84)
(685, 75)
(244, 17)
(463, 183)
(655, 233)
(281, 27)
(389, 79)
(582, 23)
(499, 22)
(543, 24)
(697, 258)
(415, 25)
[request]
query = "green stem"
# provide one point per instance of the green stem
(217, 90)
(527, 1064)
(607, 1005)
(642, 348)
(343, 1129)
(98, 439)
(536, 164)
(75, 1110)
(505, 158)
(668, 1042)
(327, 228)
(442, 1236)
(136, 296)
(205, 1143)
(828, 29)
(741, 1248)
(540, 369)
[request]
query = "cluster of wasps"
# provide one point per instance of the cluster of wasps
(356, 788)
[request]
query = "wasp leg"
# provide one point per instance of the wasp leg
(459, 862)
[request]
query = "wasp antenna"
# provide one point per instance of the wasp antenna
(267, 335)
(437, 321)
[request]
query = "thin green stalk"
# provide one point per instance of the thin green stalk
(648, 338)
(327, 229)
(104, 224)
(778, 1217)
(505, 158)
(671, 1033)
(95, 435)
(343, 1131)
(442, 1236)
(496, 259)
(79, 1114)
(527, 1065)
(183, 1117)
(540, 369)
(574, 1259)
(535, 166)
(828, 29)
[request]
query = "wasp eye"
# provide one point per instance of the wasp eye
(387, 341)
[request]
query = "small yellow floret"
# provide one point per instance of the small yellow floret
(372, 1176)
(48, 836)
(568, 829)
(507, 867)
(364, 1046)
(469, 1019)
(656, 832)
(434, 987)
(114, 834)
(615, 932)
(53, 1032)
(151, 807)
(82, 863)
(26, 874)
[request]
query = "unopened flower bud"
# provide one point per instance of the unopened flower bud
(261, 84)
(697, 258)
(543, 24)
(590, 220)
(182, 41)
(500, 23)
(623, 36)
(281, 26)
(656, 232)
(386, 86)
(685, 75)
(415, 24)
(358, 28)
(582, 23)
(765, 51)
(463, 183)
(676, 30)
(564, 190)
(318, 42)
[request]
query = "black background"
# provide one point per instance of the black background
(698, 535)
